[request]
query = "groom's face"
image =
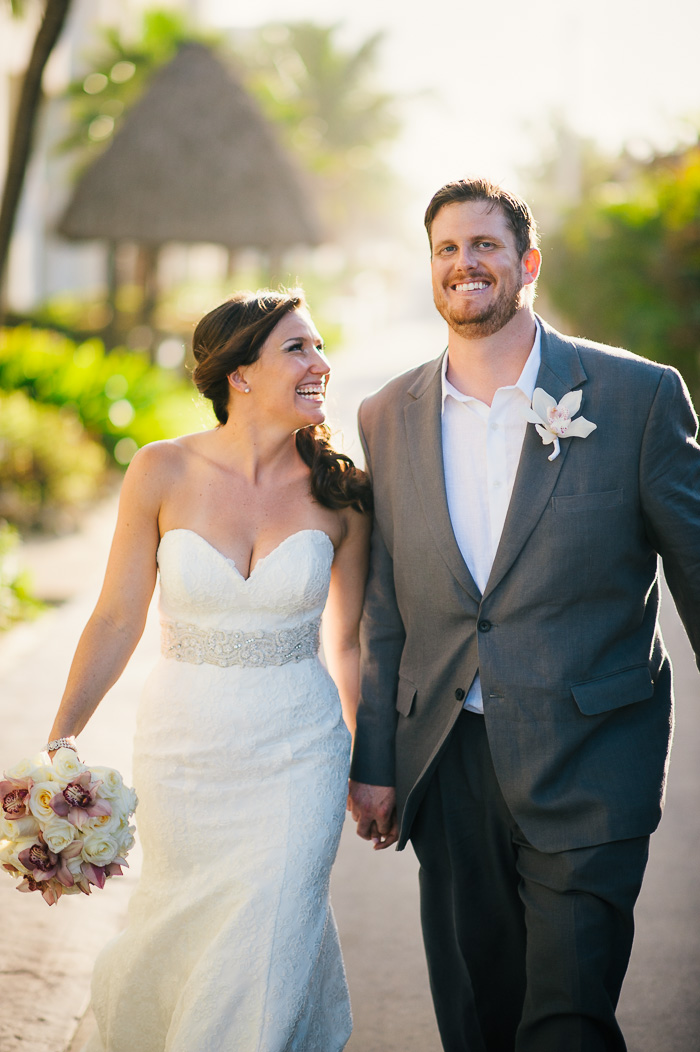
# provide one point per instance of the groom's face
(478, 276)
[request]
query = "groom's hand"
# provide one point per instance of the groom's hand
(374, 809)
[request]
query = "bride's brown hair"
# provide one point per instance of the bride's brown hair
(231, 336)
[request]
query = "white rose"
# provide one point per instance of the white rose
(99, 848)
(111, 780)
(39, 769)
(40, 795)
(126, 801)
(27, 825)
(58, 834)
(124, 837)
(66, 766)
(103, 823)
(10, 852)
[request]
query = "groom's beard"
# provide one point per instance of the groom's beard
(475, 324)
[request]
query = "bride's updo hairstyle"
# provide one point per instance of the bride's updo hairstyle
(231, 336)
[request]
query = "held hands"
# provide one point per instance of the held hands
(374, 809)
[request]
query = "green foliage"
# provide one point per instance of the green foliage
(49, 467)
(118, 73)
(16, 600)
(120, 398)
(624, 265)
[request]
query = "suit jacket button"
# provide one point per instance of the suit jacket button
(484, 626)
(459, 694)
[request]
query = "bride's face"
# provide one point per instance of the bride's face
(288, 380)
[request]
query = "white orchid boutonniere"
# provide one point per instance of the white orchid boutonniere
(553, 420)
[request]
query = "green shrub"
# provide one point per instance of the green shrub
(120, 397)
(16, 600)
(49, 467)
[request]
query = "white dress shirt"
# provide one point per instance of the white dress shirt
(481, 447)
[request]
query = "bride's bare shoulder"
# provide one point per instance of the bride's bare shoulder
(164, 462)
(168, 456)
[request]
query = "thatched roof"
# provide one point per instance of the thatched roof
(194, 160)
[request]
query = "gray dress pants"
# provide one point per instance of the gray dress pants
(526, 950)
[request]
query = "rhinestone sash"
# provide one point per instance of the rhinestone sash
(199, 646)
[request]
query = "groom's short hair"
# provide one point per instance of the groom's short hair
(516, 211)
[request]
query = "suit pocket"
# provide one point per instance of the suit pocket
(405, 696)
(613, 691)
(581, 502)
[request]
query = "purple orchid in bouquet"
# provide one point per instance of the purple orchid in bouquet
(78, 802)
(14, 798)
(47, 871)
(64, 828)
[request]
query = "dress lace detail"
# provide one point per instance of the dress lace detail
(251, 649)
(241, 772)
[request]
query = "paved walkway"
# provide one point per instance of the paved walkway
(46, 954)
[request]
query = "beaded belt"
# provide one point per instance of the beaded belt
(200, 646)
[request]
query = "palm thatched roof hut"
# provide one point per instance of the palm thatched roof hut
(194, 161)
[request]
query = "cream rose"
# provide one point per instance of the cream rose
(111, 780)
(103, 823)
(126, 801)
(27, 825)
(39, 769)
(10, 851)
(99, 848)
(40, 797)
(58, 834)
(66, 766)
(124, 837)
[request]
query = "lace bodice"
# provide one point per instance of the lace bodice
(199, 585)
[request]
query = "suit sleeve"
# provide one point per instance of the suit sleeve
(670, 489)
(382, 639)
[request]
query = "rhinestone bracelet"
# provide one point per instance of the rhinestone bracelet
(61, 743)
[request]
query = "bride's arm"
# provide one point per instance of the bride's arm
(341, 618)
(118, 620)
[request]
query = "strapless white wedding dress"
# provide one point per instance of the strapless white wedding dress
(241, 766)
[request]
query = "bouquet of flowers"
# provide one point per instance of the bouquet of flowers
(64, 826)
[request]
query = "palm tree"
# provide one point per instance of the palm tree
(335, 118)
(52, 23)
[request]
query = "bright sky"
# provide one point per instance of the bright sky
(481, 81)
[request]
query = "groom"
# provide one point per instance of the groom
(515, 713)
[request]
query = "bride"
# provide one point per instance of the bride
(241, 752)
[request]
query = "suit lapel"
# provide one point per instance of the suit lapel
(423, 419)
(560, 371)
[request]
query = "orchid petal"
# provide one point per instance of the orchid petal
(98, 809)
(580, 428)
(95, 874)
(59, 805)
(78, 816)
(541, 402)
(532, 417)
(64, 876)
(545, 434)
(571, 402)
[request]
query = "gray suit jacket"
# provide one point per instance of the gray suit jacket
(576, 681)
